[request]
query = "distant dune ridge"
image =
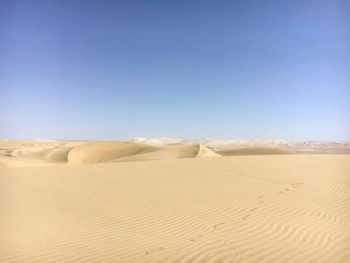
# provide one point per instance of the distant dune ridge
(106, 151)
(29, 153)
(46, 152)
(171, 202)
(131, 151)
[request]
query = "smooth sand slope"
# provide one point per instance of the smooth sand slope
(254, 151)
(179, 208)
(106, 151)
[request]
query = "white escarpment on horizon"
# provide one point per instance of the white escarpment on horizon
(212, 142)
(222, 144)
(157, 141)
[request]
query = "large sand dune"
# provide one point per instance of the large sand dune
(177, 151)
(29, 154)
(167, 205)
(106, 151)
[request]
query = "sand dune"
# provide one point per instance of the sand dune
(143, 203)
(96, 152)
(204, 151)
(59, 155)
(329, 147)
(176, 151)
(131, 151)
(106, 151)
(33, 153)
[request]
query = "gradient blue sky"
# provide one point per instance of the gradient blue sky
(189, 69)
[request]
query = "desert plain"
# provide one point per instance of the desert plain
(138, 201)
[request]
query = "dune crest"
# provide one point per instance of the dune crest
(37, 153)
(204, 151)
(105, 151)
(131, 151)
(176, 151)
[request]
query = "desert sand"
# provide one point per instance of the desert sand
(137, 202)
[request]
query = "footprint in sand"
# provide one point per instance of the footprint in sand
(295, 185)
(153, 250)
(216, 226)
(249, 214)
(197, 237)
(245, 217)
(211, 229)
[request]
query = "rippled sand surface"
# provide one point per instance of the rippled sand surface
(185, 207)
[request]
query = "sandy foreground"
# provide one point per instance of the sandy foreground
(132, 202)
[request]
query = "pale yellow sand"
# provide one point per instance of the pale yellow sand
(285, 208)
(254, 151)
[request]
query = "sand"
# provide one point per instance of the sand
(254, 151)
(130, 202)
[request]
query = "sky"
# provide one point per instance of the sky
(186, 69)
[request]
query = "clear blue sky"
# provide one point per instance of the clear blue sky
(189, 69)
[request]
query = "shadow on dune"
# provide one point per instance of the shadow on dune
(253, 151)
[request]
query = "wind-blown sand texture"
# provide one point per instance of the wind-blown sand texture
(131, 202)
